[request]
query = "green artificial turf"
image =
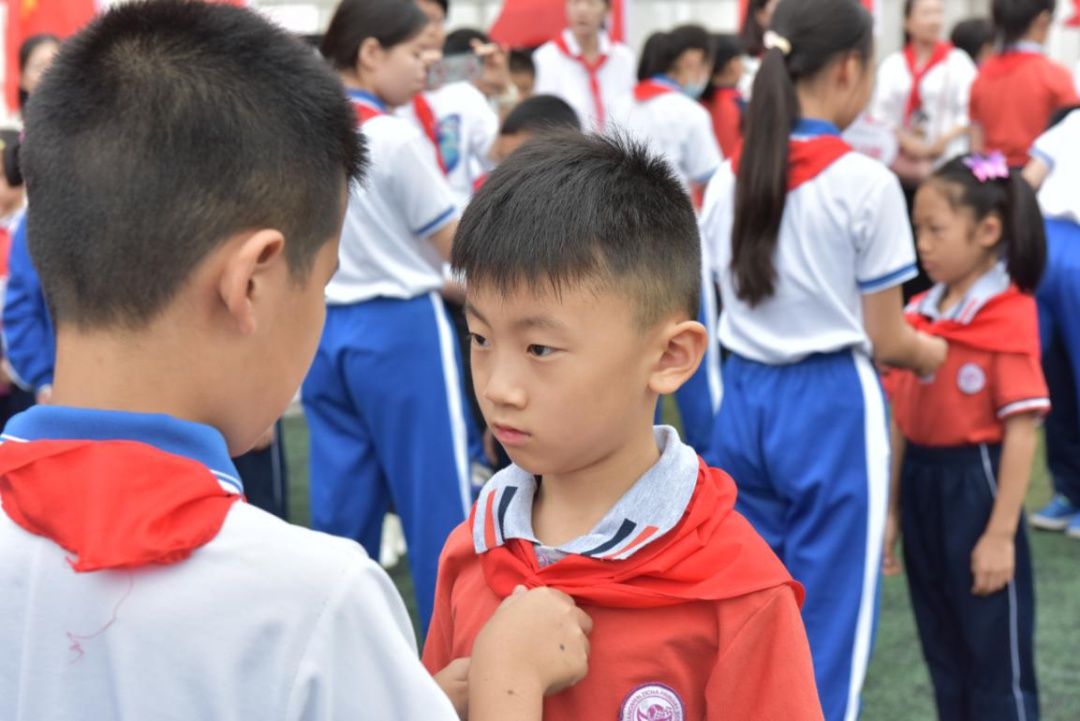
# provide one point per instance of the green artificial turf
(897, 685)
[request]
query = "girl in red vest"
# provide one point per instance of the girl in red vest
(964, 439)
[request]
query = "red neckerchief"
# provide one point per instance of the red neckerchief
(425, 115)
(1007, 323)
(1004, 63)
(365, 111)
(914, 101)
(807, 159)
(592, 70)
(113, 504)
(711, 555)
(648, 89)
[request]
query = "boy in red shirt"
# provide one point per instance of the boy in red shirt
(582, 263)
(1019, 89)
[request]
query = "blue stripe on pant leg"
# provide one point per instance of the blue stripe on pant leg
(699, 398)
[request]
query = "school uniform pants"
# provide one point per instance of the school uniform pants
(1058, 298)
(808, 447)
(979, 649)
(264, 476)
(389, 424)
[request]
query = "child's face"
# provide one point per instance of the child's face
(436, 22)
(692, 68)
(952, 245)
(730, 75)
(563, 381)
(586, 17)
(507, 143)
(399, 72)
(524, 81)
(926, 21)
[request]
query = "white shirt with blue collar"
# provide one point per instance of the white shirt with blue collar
(266, 621)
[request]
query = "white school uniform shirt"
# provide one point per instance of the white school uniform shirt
(385, 251)
(467, 128)
(1059, 148)
(674, 126)
(844, 233)
(266, 621)
(945, 91)
(564, 76)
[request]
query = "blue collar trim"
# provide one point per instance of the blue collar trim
(812, 128)
(182, 438)
(363, 96)
(666, 80)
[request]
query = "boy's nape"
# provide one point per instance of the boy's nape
(171, 140)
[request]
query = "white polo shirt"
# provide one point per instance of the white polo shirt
(674, 126)
(385, 251)
(467, 128)
(844, 233)
(944, 90)
(266, 621)
(1059, 148)
(562, 74)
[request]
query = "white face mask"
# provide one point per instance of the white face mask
(694, 90)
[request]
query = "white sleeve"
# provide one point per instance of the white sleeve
(1058, 141)
(713, 223)
(420, 189)
(547, 81)
(483, 130)
(965, 73)
(884, 248)
(361, 661)
(701, 152)
(889, 97)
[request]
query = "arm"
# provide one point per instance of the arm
(763, 668)
(895, 342)
(890, 565)
(993, 561)
(1036, 172)
(443, 239)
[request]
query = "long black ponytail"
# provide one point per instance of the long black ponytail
(813, 32)
(1011, 198)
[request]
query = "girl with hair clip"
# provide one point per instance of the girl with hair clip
(964, 440)
(384, 397)
(922, 93)
(584, 66)
(812, 243)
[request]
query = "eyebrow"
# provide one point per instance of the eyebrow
(526, 323)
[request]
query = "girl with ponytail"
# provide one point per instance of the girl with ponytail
(811, 243)
(964, 440)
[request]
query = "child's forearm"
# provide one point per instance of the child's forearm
(1014, 474)
(899, 447)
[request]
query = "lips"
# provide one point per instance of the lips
(508, 435)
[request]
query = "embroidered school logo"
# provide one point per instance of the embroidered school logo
(652, 702)
(971, 379)
(449, 134)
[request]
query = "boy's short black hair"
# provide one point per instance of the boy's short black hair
(540, 113)
(972, 35)
(569, 208)
(160, 130)
(1013, 18)
(460, 41)
(521, 61)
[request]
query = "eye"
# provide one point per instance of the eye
(540, 351)
(478, 340)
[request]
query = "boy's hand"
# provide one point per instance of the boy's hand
(454, 681)
(890, 562)
(993, 563)
(536, 642)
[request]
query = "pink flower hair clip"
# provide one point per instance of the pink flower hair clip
(987, 167)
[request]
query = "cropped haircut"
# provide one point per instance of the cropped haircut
(972, 35)
(390, 22)
(818, 31)
(460, 41)
(568, 210)
(1013, 18)
(521, 61)
(540, 113)
(162, 129)
(663, 49)
(1023, 237)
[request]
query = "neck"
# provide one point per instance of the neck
(956, 290)
(589, 44)
(813, 104)
(125, 371)
(1035, 35)
(924, 49)
(353, 81)
(568, 505)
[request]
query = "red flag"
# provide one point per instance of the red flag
(1074, 21)
(528, 23)
(31, 17)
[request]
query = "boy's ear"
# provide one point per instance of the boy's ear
(245, 273)
(684, 346)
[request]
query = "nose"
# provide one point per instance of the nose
(500, 386)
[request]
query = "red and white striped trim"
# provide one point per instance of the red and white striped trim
(1024, 406)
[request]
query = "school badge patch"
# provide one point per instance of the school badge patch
(652, 702)
(970, 379)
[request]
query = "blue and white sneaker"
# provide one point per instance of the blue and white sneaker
(1057, 515)
(1073, 530)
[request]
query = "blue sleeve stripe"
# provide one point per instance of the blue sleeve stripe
(1043, 156)
(888, 280)
(436, 224)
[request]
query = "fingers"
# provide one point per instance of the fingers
(584, 621)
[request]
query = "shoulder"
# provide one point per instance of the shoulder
(892, 65)
(546, 52)
(622, 53)
(391, 130)
(960, 60)
(460, 94)
(860, 174)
